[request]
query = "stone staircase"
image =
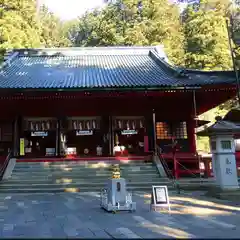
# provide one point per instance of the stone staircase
(79, 176)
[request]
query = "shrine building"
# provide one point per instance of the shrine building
(93, 101)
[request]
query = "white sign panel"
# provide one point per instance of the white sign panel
(84, 133)
(129, 132)
(160, 197)
(71, 151)
(39, 134)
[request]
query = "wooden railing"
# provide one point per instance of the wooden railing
(5, 164)
(164, 164)
(167, 170)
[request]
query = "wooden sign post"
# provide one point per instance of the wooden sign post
(160, 198)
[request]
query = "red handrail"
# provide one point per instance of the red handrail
(164, 163)
(5, 164)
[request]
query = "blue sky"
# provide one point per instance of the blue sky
(69, 9)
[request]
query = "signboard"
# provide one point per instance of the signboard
(22, 152)
(160, 197)
(84, 133)
(39, 134)
(129, 132)
(50, 151)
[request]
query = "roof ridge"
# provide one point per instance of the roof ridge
(85, 51)
(73, 49)
(8, 59)
(178, 72)
(90, 48)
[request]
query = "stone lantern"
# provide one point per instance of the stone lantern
(221, 136)
(115, 197)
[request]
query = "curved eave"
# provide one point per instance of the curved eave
(207, 133)
(127, 88)
(133, 88)
(213, 72)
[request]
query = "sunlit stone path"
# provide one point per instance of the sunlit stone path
(79, 215)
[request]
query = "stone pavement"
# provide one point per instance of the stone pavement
(79, 215)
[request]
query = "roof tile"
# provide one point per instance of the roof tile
(95, 68)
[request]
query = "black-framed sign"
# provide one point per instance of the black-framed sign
(39, 134)
(160, 197)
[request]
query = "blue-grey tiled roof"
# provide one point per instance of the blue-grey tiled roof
(123, 67)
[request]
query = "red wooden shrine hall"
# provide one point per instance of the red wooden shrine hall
(100, 102)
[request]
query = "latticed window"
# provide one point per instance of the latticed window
(180, 130)
(167, 131)
(39, 124)
(163, 130)
(226, 145)
(84, 123)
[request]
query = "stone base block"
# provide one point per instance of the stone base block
(226, 194)
(127, 207)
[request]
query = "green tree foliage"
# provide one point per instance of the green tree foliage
(203, 142)
(205, 29)
(18, 24)
(21, 26)
(125, 23)
(52, 31)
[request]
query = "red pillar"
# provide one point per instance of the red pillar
(175, 148)
(192, 135)
(207, 167)
(146, 146)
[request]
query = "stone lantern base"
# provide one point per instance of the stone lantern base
(226, 194)
(116, 198)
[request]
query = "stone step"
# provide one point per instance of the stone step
(86, 177)
(83, 176)
(89, 177)
(60, 179)
(73, 185)
(83, 189)
(82, 163)
(97, 165)
(79, 180)
(67, 189)
(128, 169)
(138, 168)
(76, 174)
(69, 168)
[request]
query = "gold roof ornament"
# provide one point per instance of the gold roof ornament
(116, 171)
